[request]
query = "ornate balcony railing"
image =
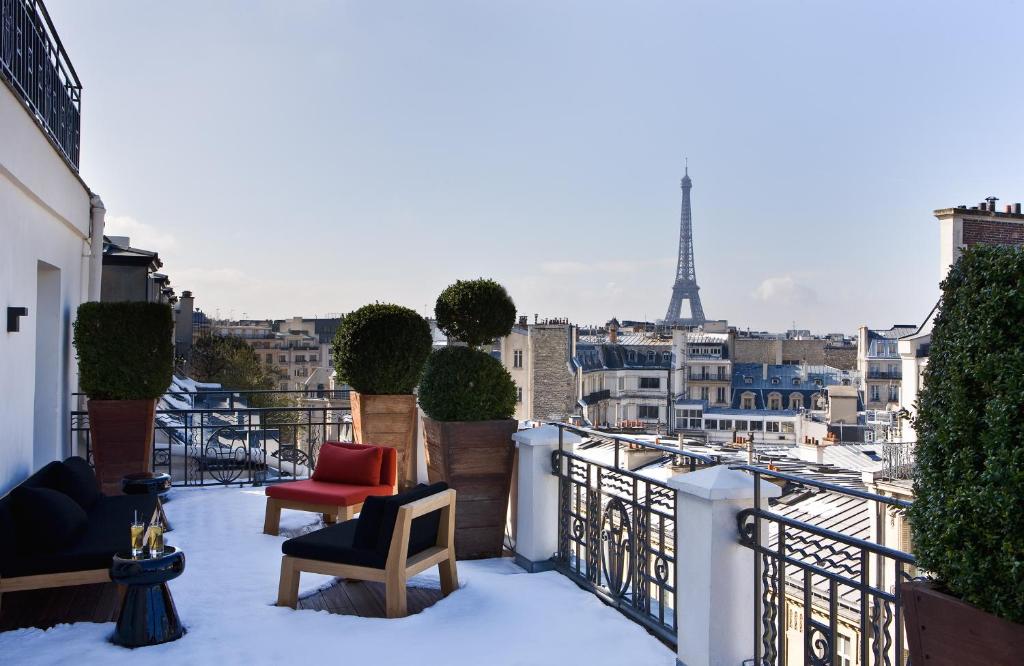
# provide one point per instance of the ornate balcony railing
(33, 62)
(617, 528)
(223, 440)
(824, 596)
(885, 374)
(898, 458)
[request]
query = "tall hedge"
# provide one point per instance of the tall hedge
(125, 350)
(466, 384)
(380, 349)
(968, 512)
(475, 311)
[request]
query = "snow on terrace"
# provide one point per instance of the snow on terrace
(500, 615)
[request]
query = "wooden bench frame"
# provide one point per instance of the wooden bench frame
(332, 512)
(60, 579)
(399, 568)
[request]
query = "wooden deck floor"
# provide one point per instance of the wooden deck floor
(101, 602)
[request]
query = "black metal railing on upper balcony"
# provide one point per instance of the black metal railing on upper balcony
(824, 595)
(898, 459)
(885, 374)
(36, 67)
(617, 532)
(220, 438)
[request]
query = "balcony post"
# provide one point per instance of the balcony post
(714, 572)
(537, 499)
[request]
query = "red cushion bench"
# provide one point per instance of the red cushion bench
(336, 501)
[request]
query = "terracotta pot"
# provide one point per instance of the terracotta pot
(388, 420)
(474, 458)
(945, 631)
(121, 437)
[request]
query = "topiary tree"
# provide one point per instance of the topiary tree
(380, 349)
(968, 512)
(125, 350)
(465, 384)
(475, 311)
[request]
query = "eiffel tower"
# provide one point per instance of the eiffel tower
(685, 287)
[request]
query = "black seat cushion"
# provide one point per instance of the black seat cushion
(76, 479)
(333, 544)
(365, 541)
(47, 519)
(379, 514)
(107, 533)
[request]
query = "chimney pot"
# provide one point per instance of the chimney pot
(1016, 208)
(1009, 208)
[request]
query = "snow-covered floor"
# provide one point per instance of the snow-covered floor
(500, 615)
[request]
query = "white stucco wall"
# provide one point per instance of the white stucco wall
(44, 217)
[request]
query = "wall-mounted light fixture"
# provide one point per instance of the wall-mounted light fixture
(14, 316)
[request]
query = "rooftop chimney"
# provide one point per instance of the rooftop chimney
(992, 203)
(764, 371)
(1016, 209)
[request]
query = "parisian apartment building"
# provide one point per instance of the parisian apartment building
(298, 349)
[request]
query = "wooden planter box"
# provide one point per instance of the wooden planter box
(945, 631)
(475, 458)
(388, 420)
(121, 438)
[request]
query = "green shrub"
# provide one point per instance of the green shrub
(465, 384)
(380, 349)
(475, 311)
(968, 512)
(125, 350)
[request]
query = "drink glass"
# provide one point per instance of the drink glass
(138, 527)
(156, 540)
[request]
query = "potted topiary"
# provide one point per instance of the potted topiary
(379, 351)
(125, 362)
(468, 399)
(967, 520)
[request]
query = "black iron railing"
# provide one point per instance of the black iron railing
(617, 533)
(899, 460)
(35, 65)
(885, 374)
(232, 442)
(824, 596)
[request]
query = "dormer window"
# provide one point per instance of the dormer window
(796, 381)
(651, 356)
(631, 355)
(748, 380)
(775, 380)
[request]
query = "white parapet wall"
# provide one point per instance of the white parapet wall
(44, 242)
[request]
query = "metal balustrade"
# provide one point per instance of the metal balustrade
(225, 441)
(617, 532)
(36, 67)
(824, 597)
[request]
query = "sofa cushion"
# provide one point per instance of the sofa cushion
(379, 514)
(337, 464)
(76, 479)
(322, 492)
(389, 461)
(47, 519)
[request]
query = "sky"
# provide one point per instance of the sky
(309, 157)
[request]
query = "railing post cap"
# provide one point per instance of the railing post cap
(545, 435)
(721, 483)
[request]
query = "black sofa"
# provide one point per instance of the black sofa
(57, 528)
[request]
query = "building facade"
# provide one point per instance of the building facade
(51, 252)
(540, 359)
(879, 365)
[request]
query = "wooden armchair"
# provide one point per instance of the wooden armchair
(393, 539)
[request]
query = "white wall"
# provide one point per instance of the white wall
(44, 217)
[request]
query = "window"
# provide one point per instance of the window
(650, 382)
(787, 427)
(704, 390)
(313, 359)
(748, 380)
(631, 356)
(771, 426)
(270, 358)
(774, 401)
(757, 426)
(874, 393)
(747, 400)
(517, 358)
(282, 358)
(651, 356)
(894, 393)
(711, 424)
(725, 424)
(721, 372)
(845, 651)
(648, 411)
(796, 381)
(720, 394)
(298, 372)
(796, 401)
(666, 357)
(622, 383)
(775, 380)
(741, 424)
(519, 394)
(300, 358)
